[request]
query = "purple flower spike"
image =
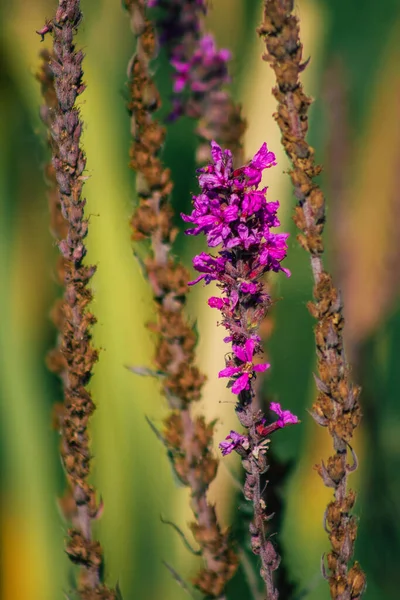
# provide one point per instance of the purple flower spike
(232, 441)
(234, 214)
(285, 416)
(198, 71)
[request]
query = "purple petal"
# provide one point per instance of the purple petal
(234, 299)
(225, 55)
(231, 213)
(216, 152)
(179, 83)
(261, 367)
(181, 67)
(248, 288)
(215, 302)
(276, 408)
(229, 371)
(236, 437)
(249, 346)
(199, 278)
(241, 383)
(243, 231)
(226, 447)
(232, 441)
(285, 416)
(240, 353)
(207, 44)
(289, 418)
(263, 158)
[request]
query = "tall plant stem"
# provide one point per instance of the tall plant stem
(74, 356)
(188, 438)
(337, 406)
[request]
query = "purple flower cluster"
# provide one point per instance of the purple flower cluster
(203, 70)
(200, 68)
(232, 212)
(235, 215)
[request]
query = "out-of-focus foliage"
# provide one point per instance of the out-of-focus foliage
(355, 128)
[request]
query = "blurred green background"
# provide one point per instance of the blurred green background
(355, 128)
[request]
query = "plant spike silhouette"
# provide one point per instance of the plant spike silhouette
(74, 356)
(188, 438)
(337, 406)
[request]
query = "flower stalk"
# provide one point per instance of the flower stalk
(74, 356)
(234, 214)
(337, 406)
(188, 438)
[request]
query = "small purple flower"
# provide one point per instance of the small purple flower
(212, 218)
(232, 441)
(246, 369)
(219, 303)
(263, 159)
(273, 251)
(249, 288)
(209, 266)
(253, 201)
(219, 174)
(181, 76)
(285, 416)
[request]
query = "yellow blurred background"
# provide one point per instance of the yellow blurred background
(355, 127)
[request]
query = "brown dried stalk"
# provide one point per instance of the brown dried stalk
(74, 356)
(188, 438)
(337, 406)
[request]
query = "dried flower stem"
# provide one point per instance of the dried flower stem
(74, 355)
(337, 406)
(188, 438)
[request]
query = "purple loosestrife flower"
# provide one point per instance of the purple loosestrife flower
(246, 369)
(235, 215)
(232, 441)
(231, 210)
(285, 416)
(210, 267)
